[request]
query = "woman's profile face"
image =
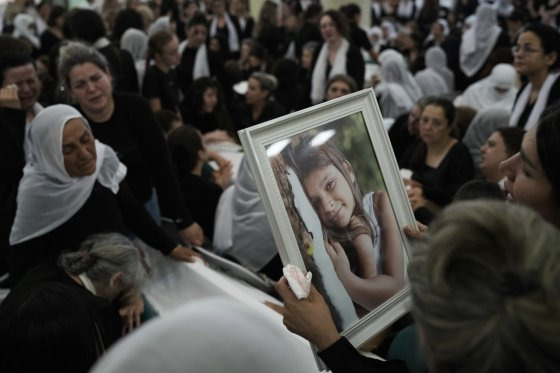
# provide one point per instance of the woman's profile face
(210, 99)
(169, 55)
(329, 31)
(526, 181)
(78, 149)
(493, 152)
(529, 56)
(433, 125)
(331, 196)
(91, 87)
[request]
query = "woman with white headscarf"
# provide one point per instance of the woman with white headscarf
(479, 41)
(436, 60)
(136, 43)
(498, 89)
(394, 97)
(394, 70)
(212, 335)
(431, 82)
(73, 186)
(24, 27)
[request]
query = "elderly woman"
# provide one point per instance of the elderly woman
(104, 272)
(335, 56)
(73, 186)
(485, 254)
(259, 105)
(125, 122)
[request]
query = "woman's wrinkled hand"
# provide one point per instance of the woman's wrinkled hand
(131, 313)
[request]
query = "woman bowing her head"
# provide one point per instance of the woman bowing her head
(73, 186)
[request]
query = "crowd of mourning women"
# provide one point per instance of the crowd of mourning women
(109, 111)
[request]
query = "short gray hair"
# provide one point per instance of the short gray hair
(76, 53)
(100, 256)
(485, 289)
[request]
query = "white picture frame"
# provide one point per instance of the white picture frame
(352, 124)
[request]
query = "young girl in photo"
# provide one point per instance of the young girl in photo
(360, 231)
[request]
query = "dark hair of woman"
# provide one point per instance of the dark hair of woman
(512, 137)
(339, 21)
(55, 325)
(86, 25)
(56, 12)
(184, 143)
(548, 146)
(126, 18)
(549, 37)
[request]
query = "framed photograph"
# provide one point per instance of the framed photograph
(336, 203)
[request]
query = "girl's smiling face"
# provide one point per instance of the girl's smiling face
(331, 195)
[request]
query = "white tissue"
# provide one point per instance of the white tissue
(299, 283)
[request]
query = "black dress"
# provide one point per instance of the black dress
(102, 212)
(107, 315)
(440, 184)
(132, 131)
(244, 114)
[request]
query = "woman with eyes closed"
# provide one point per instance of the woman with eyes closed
(73, 186)
(536, 60)
(126, 122)
(532, 175)
(439, 162)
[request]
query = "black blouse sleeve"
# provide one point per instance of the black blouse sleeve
(157, 154)
(137, 219)
(342, 357)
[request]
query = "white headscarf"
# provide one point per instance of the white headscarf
(215, 335)
(483, 93)
(22, 24)
(431, 83)
(135, 42)
(479, 40)
(47, 195)
(233, 37)
(318, 77)
(161, 24)
(436, 59)
(253, 243)
(394, 70)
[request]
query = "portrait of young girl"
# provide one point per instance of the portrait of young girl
(358, 230)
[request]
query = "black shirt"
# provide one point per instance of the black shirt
(158, 84)
(132, 131)
(102, 212)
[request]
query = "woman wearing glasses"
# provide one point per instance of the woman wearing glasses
(537, 60)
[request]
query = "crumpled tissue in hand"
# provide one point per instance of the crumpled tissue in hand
(299, 283)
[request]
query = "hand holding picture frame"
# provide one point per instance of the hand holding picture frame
(336, 204)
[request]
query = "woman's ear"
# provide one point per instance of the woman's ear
(116, 279)
(349, 170)
(550, 58)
